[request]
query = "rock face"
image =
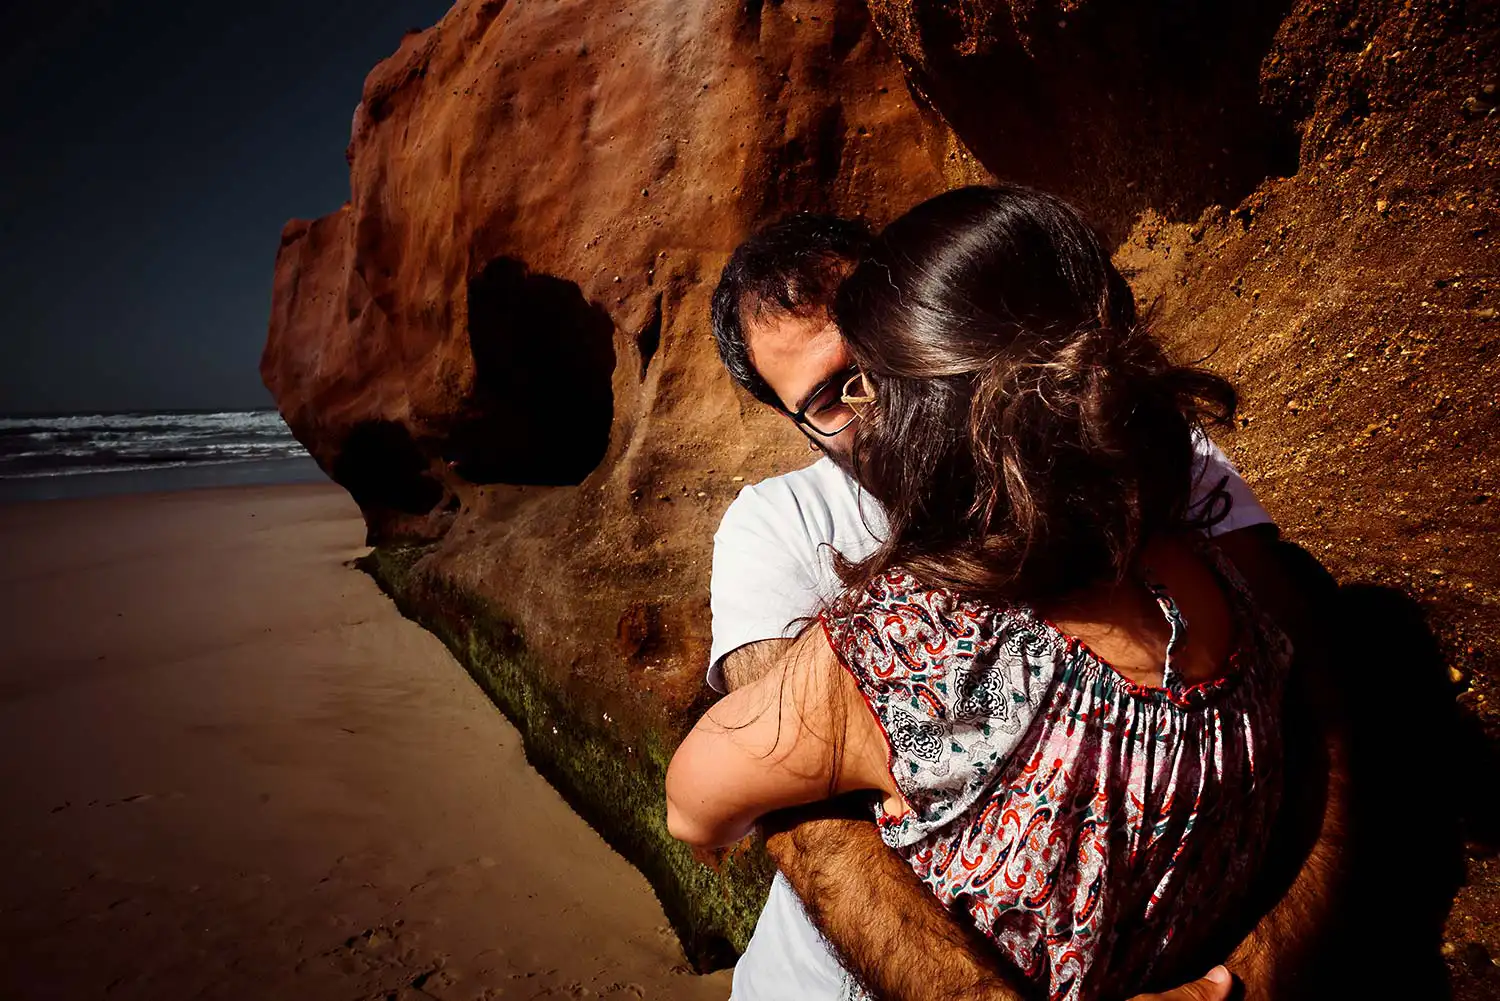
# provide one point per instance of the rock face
(500, 345)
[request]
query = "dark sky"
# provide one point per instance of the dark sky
(149, 154)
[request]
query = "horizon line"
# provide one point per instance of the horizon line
(133, 412)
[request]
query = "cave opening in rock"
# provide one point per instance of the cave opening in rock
(542, 403)
(383, 469)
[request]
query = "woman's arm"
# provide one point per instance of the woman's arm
(799, 734)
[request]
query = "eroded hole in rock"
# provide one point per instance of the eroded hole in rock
(383, 469)
(542, 403)
(649, 338)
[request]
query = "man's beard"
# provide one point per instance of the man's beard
(843, 459)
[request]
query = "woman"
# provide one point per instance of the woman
(1011, 673)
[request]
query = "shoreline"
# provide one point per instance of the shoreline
(243, 763)
(132, 482)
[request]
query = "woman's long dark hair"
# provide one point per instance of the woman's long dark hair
(1028, 433)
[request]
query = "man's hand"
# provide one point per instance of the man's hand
(1213, 986)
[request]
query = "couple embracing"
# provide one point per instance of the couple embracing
(1023, 615)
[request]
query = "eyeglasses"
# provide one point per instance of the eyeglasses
(835, 404)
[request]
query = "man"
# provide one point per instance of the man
(773, 567)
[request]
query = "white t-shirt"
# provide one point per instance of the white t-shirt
(772, 570)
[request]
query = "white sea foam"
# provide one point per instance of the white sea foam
(74, 444)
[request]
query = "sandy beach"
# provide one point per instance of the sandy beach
(234, 771)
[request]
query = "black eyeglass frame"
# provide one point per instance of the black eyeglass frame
(800, 418)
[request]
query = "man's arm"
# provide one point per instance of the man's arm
(906, 947)
(1279, 950)
(888, 929)
(1299, 594)
(751, 661)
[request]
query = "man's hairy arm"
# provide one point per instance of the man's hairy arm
(1295, 590)
(886, 926)
(749, 662)
(1273, 957)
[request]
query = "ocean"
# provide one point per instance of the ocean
(82, 455)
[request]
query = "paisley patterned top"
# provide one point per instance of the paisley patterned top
(1096, 829)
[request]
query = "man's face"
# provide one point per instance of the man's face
(805, 362)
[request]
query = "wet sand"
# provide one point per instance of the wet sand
(232, 770)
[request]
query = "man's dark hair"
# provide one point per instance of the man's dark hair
(792, 266)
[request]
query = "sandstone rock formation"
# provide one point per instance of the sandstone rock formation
(500, 344)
